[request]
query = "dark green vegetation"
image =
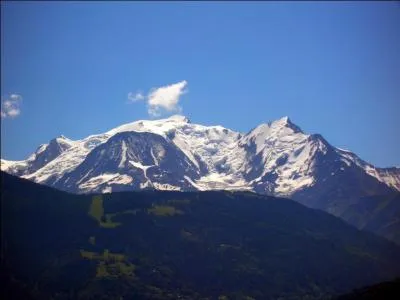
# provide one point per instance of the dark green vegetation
(171, 245)
(389, 290)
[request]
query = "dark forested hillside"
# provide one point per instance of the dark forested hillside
(175, 245)
(388, 290)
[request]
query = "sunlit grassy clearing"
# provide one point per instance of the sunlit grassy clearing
(109, 264)
(105, 256)
(96, 211)
(164, 210)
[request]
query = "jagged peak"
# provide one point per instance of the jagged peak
(286, 122)
(263, 127)
(277, 124)
(61, 138)
(280, 122)
(61, 141)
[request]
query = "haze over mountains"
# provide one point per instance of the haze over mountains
(276, 159)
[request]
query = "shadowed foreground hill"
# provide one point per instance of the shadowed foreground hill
(172, 245)
(385, 290)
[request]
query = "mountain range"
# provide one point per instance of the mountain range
(275, 158)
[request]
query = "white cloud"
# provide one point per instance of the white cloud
(163, 99)
(134, 97)
(13, 112)
(166, 97)
(10, 107)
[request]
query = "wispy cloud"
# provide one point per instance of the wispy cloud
(164, 99)
(134, 97)
(10, 106)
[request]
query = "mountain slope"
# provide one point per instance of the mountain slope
(276, 158)
(132, 160)
(43, 155)
(379, 214)
(169, 245)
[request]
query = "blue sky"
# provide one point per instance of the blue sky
(332, 67)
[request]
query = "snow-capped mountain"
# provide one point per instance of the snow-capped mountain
(132, 159)
(277, 158)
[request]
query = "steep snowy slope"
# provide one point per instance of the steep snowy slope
(205, 146)
(66, 161)
(44, 154)
(278, 158)
(129, 161)
(389, 176)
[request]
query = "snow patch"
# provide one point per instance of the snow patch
(123, 155)
(166, 187)
(94, 182)
(154, 158)
(107, 190)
